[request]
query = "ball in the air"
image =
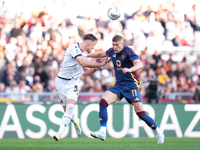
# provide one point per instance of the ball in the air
(113, 13)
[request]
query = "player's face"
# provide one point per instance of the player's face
(91, 45)
(118, 46)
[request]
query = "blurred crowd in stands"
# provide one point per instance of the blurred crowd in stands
(32, 46)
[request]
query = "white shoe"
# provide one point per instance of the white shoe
(98, 135)
(161, 138)
(77, 127)
(57, 136)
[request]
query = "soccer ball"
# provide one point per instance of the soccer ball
(113, 13)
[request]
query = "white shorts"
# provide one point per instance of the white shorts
(67, 89)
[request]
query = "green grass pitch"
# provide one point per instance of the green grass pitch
(171, 143)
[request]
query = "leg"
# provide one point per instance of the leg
(138, 107)
(107, 99)
(66, 118)
(64, 108)
(68, 97)
(74, 120)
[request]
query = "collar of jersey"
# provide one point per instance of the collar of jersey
(79, 46)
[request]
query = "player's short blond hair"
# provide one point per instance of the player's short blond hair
(117, 38)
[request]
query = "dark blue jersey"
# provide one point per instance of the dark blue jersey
(124, 59)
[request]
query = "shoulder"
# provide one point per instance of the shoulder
(109, 51)
(73, 46)
(129, 50)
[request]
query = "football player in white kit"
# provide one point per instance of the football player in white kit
(67, 82)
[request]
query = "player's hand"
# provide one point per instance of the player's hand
(95, 69)
(125, 70)
(103, 61)
(108, 59)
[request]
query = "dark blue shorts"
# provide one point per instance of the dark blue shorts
(131, 94)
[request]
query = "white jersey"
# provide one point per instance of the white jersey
(70, 68)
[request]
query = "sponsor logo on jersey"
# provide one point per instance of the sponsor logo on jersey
(114, 55)
(77, 52)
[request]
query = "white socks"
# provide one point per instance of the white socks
(74, 119)
(66, 118)
(159, 133)
(103, 129)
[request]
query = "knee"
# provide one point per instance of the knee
(103, 102)
(69, 111)
(141, 113)
(70, 107)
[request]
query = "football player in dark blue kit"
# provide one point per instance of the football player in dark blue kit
(126, 64)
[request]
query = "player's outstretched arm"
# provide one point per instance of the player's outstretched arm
(88, 71)
(88, 62)
(97, 54)
(137, 66)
